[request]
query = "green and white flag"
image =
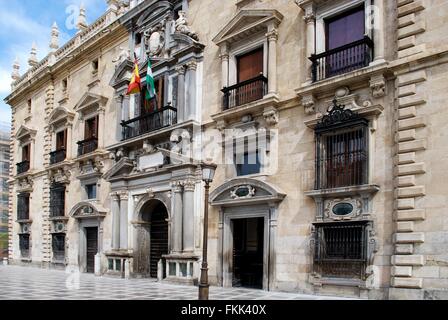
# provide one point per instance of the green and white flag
(151, 92)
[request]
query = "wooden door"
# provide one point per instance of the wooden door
(249, 66)
(26, 153)
(92, 248)
(159, 238)
(248, 253)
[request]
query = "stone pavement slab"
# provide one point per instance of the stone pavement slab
(29, 283)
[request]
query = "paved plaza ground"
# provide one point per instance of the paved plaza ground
(29, 283)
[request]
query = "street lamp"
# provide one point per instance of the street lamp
(208, 172)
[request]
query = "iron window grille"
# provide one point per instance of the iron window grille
(58, 246)
(23, 206)
(340, 250)
(341, 149)
(24, 244)
(57, 200)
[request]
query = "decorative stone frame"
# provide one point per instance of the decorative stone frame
(61, 119)
(263, 202)
(26, 136)
(230, 44)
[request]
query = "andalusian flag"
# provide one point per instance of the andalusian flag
(135, 84)
(151, 92)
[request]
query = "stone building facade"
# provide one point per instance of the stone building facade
(5, 133)
(325, 119)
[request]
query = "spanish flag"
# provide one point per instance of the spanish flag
(134, 85)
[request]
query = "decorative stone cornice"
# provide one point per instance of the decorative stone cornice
(378, 85)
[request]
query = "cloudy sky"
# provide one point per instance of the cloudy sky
(26, 21)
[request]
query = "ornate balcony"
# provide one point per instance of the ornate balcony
(341, 60)
(165, 117)
(58, 156)
(244, 92)
(87, 146)
(23, 167)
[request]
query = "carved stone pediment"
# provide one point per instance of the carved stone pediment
(244, 191)
(60, 116)
(122, 74)
(122, 168)
(88, 209)
(25, 133)
(247, 21)
(89, 102)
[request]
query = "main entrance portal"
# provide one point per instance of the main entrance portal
(153, 238)
(248, 249)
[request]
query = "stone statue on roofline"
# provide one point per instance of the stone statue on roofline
(181, 26)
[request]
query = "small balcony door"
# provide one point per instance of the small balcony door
(61, 140)
(91, 128)
(26, 153)
(341, 31)
(249, 66)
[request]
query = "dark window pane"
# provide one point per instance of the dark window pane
(247, 163)
(58, 245)
(345, 29)
(91, 191)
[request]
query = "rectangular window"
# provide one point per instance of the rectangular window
(23, 206)
(29, 105)
(24, 244)
(341, 249)
(64, 85)
(91, 128)
(61, 140)
(250, 65)
(57, 200)
(26, 153)
(247, 163)
(95, 66)
(345, 28)
(58, 246)
(91, 191)
(342, 158)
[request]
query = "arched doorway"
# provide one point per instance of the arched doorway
(152, 238)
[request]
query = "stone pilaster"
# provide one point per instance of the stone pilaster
(181, 106)
(272, 36)
(191, 103)
(12, 194)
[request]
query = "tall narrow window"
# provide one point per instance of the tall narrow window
(95, 66)
(64, 85)
(26, 153)
(29, 106)
(341, 149)
(58, 246)
(57, 200)
(23, 206)
(345, 28)
(91, 128)
(157, 103)
(61, 140)
(249, 76)
(91, 191)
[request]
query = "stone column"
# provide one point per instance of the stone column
(272, 36)
(224, 55)
(378, 30)
(124, 198)
(177, 217)
(310, 21)
(180, 93)
(191, 105)
(188, 216)
(101, 127)
(115, 208)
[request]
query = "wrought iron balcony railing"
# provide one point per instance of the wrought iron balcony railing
(23, 167)
(341, 60)
(87, 146)
(149, 122)
(58, 156)
(244, 92)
